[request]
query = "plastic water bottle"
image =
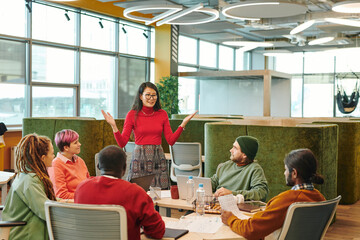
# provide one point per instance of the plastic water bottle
(190, 190)
(200, 200)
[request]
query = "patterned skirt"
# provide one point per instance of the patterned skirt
(150, 159)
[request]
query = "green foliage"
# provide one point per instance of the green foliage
(168, 89)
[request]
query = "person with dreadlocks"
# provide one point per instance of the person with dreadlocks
(31, 188)
(68, 169)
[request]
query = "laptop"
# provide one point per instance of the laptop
(181, 182)
(144, 181)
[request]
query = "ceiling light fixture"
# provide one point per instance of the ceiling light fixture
(229, 7)
(302, 27)
(347, 7)
(67, 15)
(322, 40)
(171, 13)
(100, 23)
(179, 14)
(123, 29)
(28, 6)
(341, 21)
(248, 43)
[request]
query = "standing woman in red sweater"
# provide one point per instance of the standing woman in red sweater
(148, 121)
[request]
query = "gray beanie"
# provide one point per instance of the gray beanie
(249, 146)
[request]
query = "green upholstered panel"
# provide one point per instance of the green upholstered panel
(90, 136)
(219, 138)
(109, 138)
(276, 142)
(348, 183)
(40, 126)
(194, 132)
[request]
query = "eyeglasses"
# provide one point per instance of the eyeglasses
(148, 96)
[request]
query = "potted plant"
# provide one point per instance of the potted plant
(168, 88)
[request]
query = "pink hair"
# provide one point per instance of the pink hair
(65, 137)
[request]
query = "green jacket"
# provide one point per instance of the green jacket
(247, 180)
(25, 202)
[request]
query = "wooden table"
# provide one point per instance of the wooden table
(166, 204)
(224, 233)
(5, 177)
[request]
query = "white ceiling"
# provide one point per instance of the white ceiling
(268, 28)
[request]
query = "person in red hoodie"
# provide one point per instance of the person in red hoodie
(149, 122)
(109, 188)
(300, 173)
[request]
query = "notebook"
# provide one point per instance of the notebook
(251, 206)
(181, 182)
(172, 233)
(144, 181)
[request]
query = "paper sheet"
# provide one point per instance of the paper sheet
(199, 224)
(229, 203)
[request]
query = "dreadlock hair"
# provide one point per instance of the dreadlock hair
(28, 159)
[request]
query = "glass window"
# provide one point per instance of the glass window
(13, 17)
(12, 82)
(289, 63)
(296, 96)
(134, 41)
(208, 54)
(13, 106)
(152, 43)
(51, 24)
(97, 84)
(318, 95)
(53, 65)
(318, 62)
(131, 75)
(226, 58)
(97, 33)
(239, 55)
(187, 50)
(53, 102)
(152, 72)
(187, 91)
(347, 60)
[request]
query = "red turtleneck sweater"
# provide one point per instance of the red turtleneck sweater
(148, 128)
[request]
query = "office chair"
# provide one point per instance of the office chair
(185, 159)
(85, 221)
(308, 220)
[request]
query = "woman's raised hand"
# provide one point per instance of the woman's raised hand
(110, 120)
(187, 119)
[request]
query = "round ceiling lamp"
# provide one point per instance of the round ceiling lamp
(255, 10)
(248, 43)
(347, 7)
(322, 40)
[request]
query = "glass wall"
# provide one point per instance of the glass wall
(59, 61)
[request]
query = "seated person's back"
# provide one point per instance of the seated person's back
(109, 188)
(241, 175)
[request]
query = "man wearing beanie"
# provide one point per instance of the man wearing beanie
(241, 175)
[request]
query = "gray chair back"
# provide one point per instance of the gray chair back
(84, 221)
(308, 220)
(129, 147)
(97, 170)
(185, 159)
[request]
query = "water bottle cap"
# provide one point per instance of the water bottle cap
(190, 177)
(201, 185)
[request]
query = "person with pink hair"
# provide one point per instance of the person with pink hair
(68, 169)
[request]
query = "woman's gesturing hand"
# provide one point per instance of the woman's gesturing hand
(109, 119)
(187, 119)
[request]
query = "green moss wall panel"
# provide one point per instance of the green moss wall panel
(40, 126)
(194, 132)
(219, 138)
(90, 136)
(276, 142)
(348, 183)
